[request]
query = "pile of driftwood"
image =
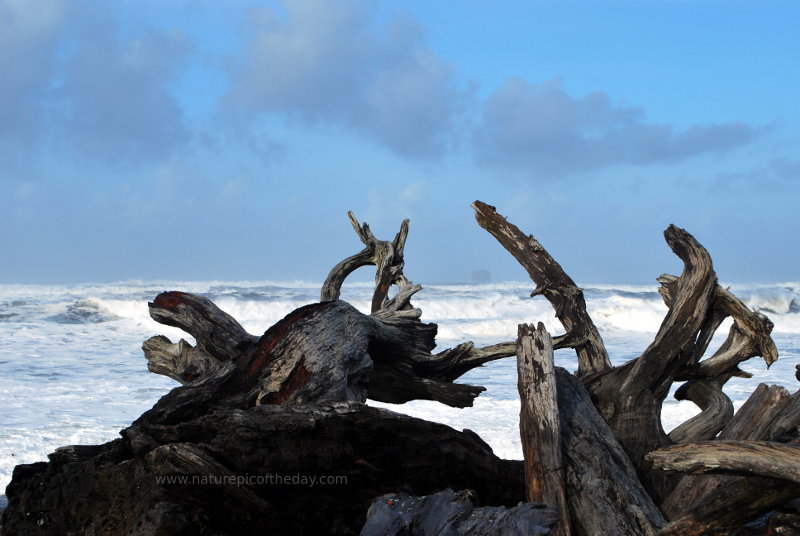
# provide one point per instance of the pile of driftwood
(271, 433)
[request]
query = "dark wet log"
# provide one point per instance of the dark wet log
(747, 458)
(450, 512)
(724, 512)
(717, 410)
(555, 285)
(539, 426)
(264, 470)
(604, 493)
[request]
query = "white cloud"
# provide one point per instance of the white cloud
(333, 62)
(74, 84)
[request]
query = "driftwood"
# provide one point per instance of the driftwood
(553, 283)
(387, 257)
(603, 489)
(291, 401)
(761, 458)
(449, 512)
(752, 422)
(307, 469)
(539, 425)
(629, 397)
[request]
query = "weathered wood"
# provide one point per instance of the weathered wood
(180, 361)
(308, 372)
(753, 422)
(785, 426)
(451, 513)
(749, 335)
(629, 397)
(555, 285)
(540, 430)
(321, 352)
(761, 458)
(726, 510)
(218, 334)
(604, 493)
(717, 410)
(387, 257)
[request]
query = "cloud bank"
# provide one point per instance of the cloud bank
(80, 84)
(543, 129)
(334, 62)
(75, 86)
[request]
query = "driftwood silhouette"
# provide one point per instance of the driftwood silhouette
(218, 454)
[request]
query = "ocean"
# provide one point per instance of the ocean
(72, 370)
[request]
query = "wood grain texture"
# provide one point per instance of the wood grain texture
(539, 426)
(553, 283)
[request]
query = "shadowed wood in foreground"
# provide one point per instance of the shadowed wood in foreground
(272, 469)
(449, 512)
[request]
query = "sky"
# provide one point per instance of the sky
(207, 140)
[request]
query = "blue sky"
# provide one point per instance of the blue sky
(192, 139)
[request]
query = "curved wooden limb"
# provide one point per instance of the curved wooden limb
(217, 333)
(630, 397)
(717, 410)
(749, 336)
(554, 284)
(332, 287)
(744, 458)
(387, 257)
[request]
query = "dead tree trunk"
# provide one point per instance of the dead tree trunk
(539, 425)
(604, 493)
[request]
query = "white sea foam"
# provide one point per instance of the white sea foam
(72, 370)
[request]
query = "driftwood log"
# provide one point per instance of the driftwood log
(539, 425)
(213, 456)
